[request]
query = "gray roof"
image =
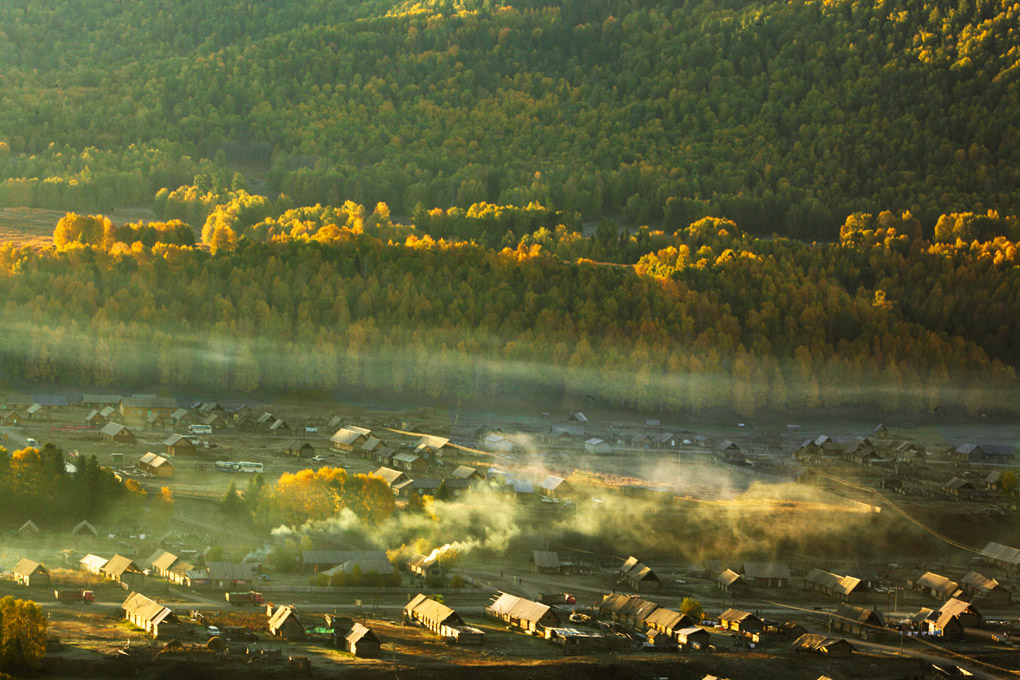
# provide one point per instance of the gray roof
(544, 559)
(113, 429)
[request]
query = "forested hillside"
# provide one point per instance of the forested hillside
(324, 297)
(783, 116)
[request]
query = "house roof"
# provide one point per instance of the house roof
(100, 398)
(519, 608)
(175, 439)
(594, 441)
(860, 614)
(571, 429)
(552, 482)
(371, 444)
(940, 584)
(545, 559)
(282, 613)
(93, 562)
(406, 458)
(84, 526)
(979, 584)
(279, 425)
(297, 444)
(957, 483)
(349, 435)
(668, 619)
(432, 442)
(113, 429)
(149, 401)
(107, 411)
(364, 566)
(359, 632)
(228, 571)
(627, 605)
(737, 615)
(578, 417)
(146, 609)
(843, 585)
(118, 565)
(1001, 553)
(819, 643)
(956, 607)
(389, 475)
(27, 567)
(424, 607)
(162, 559)
(180, 413)
(764, 570)
(463, 472)
(728, 578)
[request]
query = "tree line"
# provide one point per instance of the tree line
(708, 315)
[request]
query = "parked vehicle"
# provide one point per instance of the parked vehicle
(200, 429)
(83, 596)
(251, 598)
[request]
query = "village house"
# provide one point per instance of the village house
(742, 622)
(668, 622)
(369, 447)
(279, 426)
(694, 637)
(213, 420)
(155, 465)
(115, 432)
(985, 454)
(92, 564)
(530, 616)
(968, 614)
(299, 449)
(361, 641)
(565, 434)
(820, 644)
(28, 530)
(346, 439)
(856, 620)
(383, 455)
(263, 422)
(140, 406)
(179, 445)
(1001, 556)
(119, 568)
(766, 574)
(31, 573)
(34, 412)
(730, 581)
(161, 562)
(498, 443)
(410, 462)
(846, 588)
(284, 623)
(639, 576)
(465, 472)
(597, 446)
(156, 421)
(545, 562)
(629, 609)
(425, 565)
(555, 487)
(960, 488)
(182, 418)
(84, 528)
(11, 419)
(431, 446)
(93, 419)
(985, 591)
(392, 477)
(944, 625)
(100, 400)
(441, 620)
(934, 585)
(152, 617)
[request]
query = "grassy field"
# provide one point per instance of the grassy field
(34, 226)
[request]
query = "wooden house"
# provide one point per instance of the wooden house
(155, 465)
(369, 447)
(530, 616)
(1002, 556)
(857, 620)
(34, 412)
(960, 488)
(820, 644)
(555, 487)
(161, 562)
(140, 406)
(361, 641)
(284, 623)
(28, 530)
(639, 576)
(694, 637)
(985, 591)
(595, 445)
(93, 419)
(741, 622)
(30, 573)
(425, 565)
(766, 574)
(346, 439)
(441, 620)
(934, 585)
(668, 622)
(410, 462)
(279, 426)
(629, 609)
(11, 419)
(432, 447)
(179, 445)
(845, 588)
(152, 617)
(119, 568)
(115, 432)
(730, 581)
(299, 449)
(968, 614)
(182, 418)
(545, 562)
(156, 421)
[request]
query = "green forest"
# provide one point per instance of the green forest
(276, 297)
(781, 116)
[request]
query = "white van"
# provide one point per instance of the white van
(200, 429)
(31, 442)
